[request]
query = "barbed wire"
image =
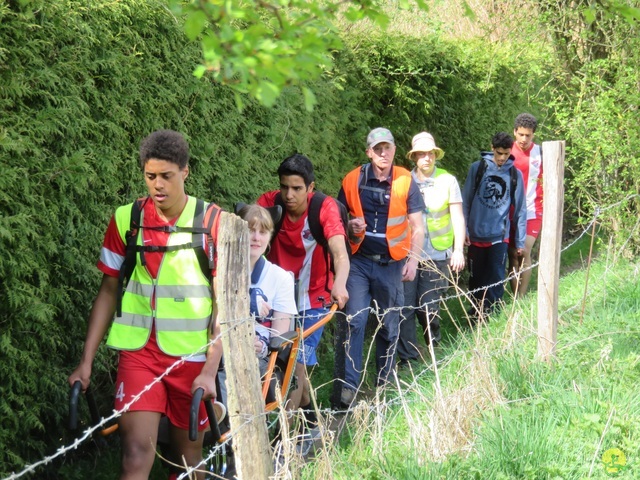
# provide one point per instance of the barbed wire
(216, 449)
(88, 433)
(515, 275)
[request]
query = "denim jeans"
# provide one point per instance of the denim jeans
(487, 267)
(308, 318)
(381, 283)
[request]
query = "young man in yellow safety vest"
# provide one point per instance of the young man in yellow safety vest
(166, 313)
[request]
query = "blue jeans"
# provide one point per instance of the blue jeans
(308, 318)
(371, 281)
(422, 300)
(487, 267)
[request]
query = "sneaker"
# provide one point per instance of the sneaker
(347, 397)
(279, 461)
(472, 317)
(314, 433)
(435, 343)
(406, 362)
(310, 417)
(304, 444)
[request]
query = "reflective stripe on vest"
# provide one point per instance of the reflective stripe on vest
(183, 302)
(438, 214)
(397, 234)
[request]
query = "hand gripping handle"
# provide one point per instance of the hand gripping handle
(193, 416)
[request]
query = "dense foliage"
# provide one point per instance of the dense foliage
(597, 109)
(258, 47)
(82, 82)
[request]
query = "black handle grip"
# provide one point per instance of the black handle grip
(193, 416)
(213, 421)
(73, 404)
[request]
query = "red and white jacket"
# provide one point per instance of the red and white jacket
(530, 165)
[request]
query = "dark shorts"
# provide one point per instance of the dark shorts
(534, 226)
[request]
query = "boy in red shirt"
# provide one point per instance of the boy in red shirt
(528, 160)
(295, 249)
(163, 319)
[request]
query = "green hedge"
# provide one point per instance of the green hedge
(603, 144)
(81, 82)
(462, 93)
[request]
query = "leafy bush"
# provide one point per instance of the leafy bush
(595, 108)
(82, 82)
(602, 161)
(458, 92)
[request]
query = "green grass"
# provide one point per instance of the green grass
(526, 419)
(543, 421)
(576, 254)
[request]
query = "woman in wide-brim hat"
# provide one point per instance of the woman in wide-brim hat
(442, 251)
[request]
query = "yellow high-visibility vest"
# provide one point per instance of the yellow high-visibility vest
(183, 296)
(438, 214)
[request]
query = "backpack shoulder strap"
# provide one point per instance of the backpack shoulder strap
(207, 255)
(197, 239)
(204, 223)
(129, 263)
(479, 174)
(514, 184)
(482, 167)
(364, 175)
(313, 216)
(278, 225)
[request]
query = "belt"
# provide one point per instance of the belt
(380, 259)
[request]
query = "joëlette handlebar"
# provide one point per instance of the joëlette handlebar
(322, 322)
(193, 416)
(73, 404)
(93, 409)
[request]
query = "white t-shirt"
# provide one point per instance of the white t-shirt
(444, 184)
(275, 287)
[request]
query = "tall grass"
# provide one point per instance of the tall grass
(489, 409)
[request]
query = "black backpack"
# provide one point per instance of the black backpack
(313, 215)
(205, 259)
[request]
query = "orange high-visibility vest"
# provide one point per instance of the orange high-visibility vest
(398, 231)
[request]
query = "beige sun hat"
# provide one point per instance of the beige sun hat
(424, 142)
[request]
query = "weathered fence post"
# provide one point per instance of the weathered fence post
(550, 247)
(244, 398)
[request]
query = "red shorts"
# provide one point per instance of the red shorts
(170, 396)
(533, 230)
(533, 227)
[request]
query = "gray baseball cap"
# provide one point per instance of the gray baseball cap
(379, 135)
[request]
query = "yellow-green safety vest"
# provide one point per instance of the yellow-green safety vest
(183, 297)
(437, 214)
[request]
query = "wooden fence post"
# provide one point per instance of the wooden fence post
(244, 398)
(550, 247)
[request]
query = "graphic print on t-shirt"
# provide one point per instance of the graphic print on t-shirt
(494, 195)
